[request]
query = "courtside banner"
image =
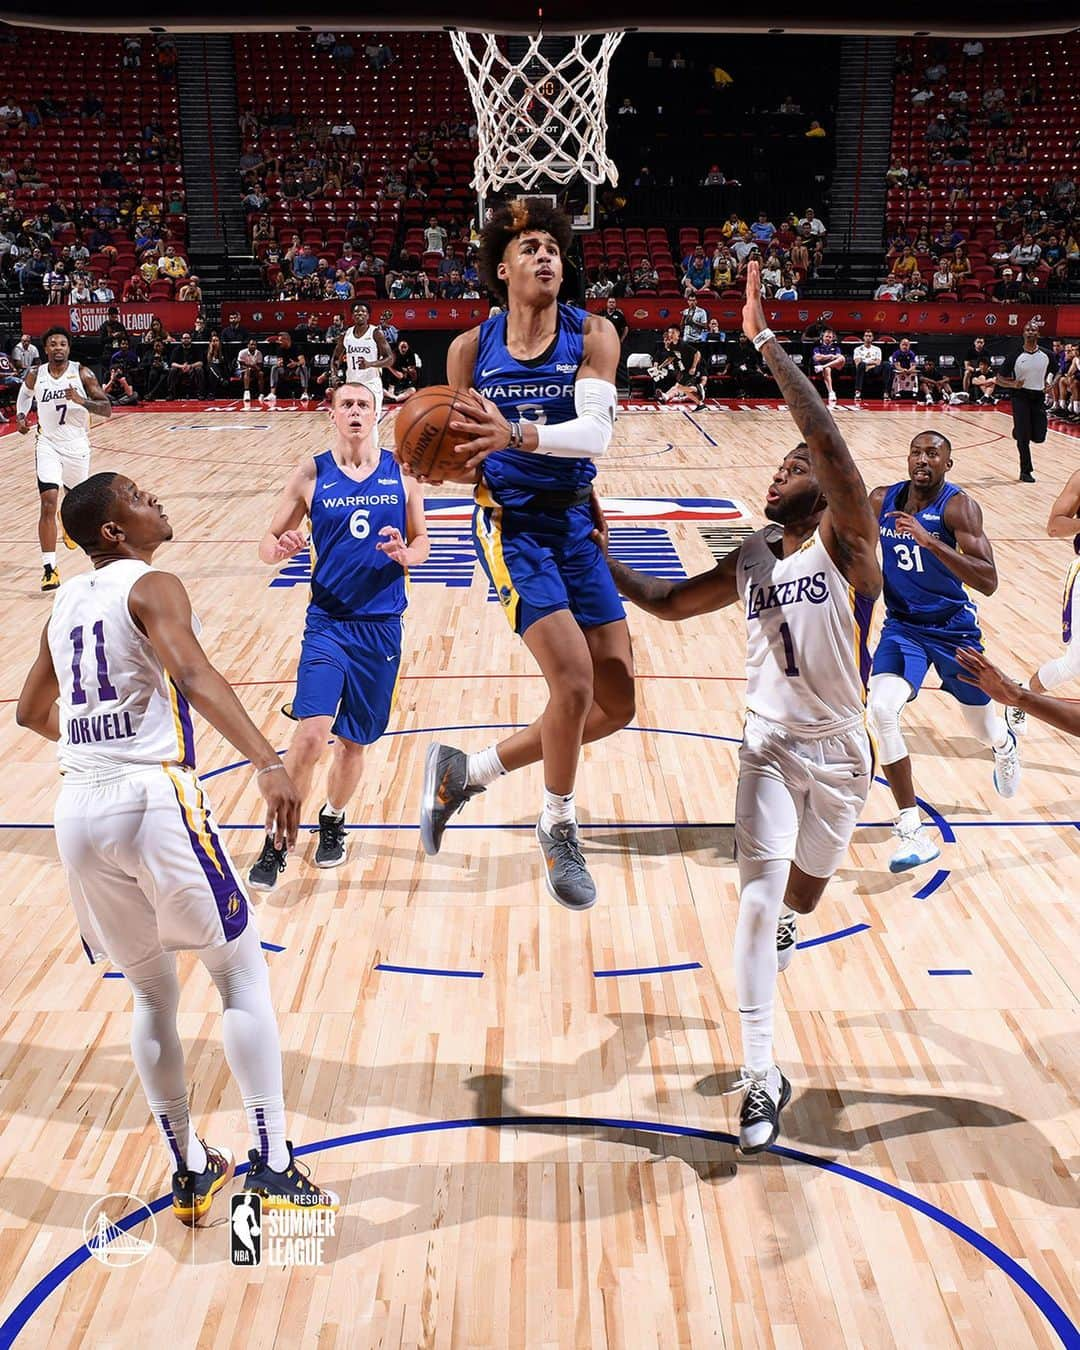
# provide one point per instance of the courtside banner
(884, 317)
(85, 320)
(269, 316)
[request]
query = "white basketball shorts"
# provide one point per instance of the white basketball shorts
(146, 867)
(800, 800)
(61, 464)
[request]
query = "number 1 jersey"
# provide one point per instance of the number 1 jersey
(118, 707)
(807, 661)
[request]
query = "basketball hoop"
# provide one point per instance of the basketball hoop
(539, 118)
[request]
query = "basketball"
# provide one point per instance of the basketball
(424, 443)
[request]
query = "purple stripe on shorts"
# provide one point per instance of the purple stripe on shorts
(167, 1129)
(227, 890)
(864, 609)
(264, 1134)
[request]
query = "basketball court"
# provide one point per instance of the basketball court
(523, 1109)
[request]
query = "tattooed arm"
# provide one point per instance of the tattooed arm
(849, 529)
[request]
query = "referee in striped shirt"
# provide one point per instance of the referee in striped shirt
(1027, 381)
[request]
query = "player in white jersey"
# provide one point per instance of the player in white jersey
(149, 875)
(1063, 523)
(807, 583)
(66, 395)
(365, 352)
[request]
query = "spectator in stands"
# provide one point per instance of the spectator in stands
(788, 289)
(734, 227)
(435, 236)
(233, 333)
(942, 279)
(812, 229)
(402, 376)
(828, 361)
(815, 131)
(694, 321)
(24, 354)
(789, 106)
(452, 287)
(961, 264)
(772, 274)
(32, 272)
(190, 291)
(250, 368)
(645, 277)
(921, 95)
(696, 270)
(218, 370)
(379, 56)
(1007, 290)
(905, 264)
(868, 363)
(172, 265)
(973, 48)
(119, 380)
(896, 175)
(933, 384)
(1027, 252)
(936, 71)
(324, 43)
(154, 371)
(902, 370)
(56, 285)
(983, 383)
(800, 259)
(186, 375)
(102, 291)
(288, 367)
(110, 334)
(135, 289)
(916, 289)
(342, 53)
(714, 178)
(304, 263)
(1017, 150)
(974, 354)
(722, 267)
(80, 293)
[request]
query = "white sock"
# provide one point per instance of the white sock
(786, 914)
(558, 810)
(48, 559)
(332, 810)
(761, 895)
(483, 767)
(250, 1033)
(909, 819)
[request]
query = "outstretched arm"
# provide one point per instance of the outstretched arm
(1063, 523)
(672, 600)
(1057, 712)
(848, 529)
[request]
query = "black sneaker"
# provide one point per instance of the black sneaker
(1024, 478)
(50, 578)
(332, 839)
(291, 1189)
(787, 937)
(287, 711)
(445, 792)
(764, 1096)
(193, 1192)
(263, 876)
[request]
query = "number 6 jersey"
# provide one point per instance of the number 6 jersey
(118, 707)
(807, 661)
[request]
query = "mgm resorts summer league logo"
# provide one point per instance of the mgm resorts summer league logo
(280, 1237)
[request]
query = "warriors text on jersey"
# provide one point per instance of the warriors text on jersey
(540, 389)
(806, 657)
(118, 707)
(351, 579)
(919, 589)
(62, 423)
(362, 347)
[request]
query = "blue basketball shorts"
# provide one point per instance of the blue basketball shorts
(349, 671)
(910, 651)
(539, 565)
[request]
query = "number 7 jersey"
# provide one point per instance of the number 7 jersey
(118, 707)
(807, 661)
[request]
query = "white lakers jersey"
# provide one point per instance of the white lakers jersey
(361, 348)
(118, 706)
(807, 661)
(61, 422)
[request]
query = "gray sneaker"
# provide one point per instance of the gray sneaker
(565, 874)
(445, 791)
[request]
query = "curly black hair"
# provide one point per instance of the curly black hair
(524, 213)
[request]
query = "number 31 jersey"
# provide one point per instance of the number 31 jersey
(118, 707)
(807, 661)
(919, 589)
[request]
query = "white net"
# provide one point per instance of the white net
(539, 116)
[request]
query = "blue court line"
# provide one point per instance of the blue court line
(832, 937)
(948, 972)
(647, 970)
(698, 426)
(938, 879)
(1029, 1286)
(271, 947)
(426, 970)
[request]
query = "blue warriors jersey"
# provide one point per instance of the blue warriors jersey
(351, 579)
(540, 389)
(919, 589)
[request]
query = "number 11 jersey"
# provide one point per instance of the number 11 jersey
(807, 661)
(118, 707)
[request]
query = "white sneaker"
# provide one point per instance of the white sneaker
(929, 401)
(247, 395)
(271, 397)
(1016, 721)
(832, 397)
(765, 1095)
(916, 847)
(1007, 768)
(304, 397)
(787, 935)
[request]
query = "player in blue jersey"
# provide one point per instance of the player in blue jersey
(933, 546)
(367, 530)
(542, 414)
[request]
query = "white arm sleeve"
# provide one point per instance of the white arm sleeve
(24, 402)
(589, 434)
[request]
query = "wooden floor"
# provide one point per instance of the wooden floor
(926, 1191)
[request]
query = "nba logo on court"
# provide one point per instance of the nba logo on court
(245, 1229)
